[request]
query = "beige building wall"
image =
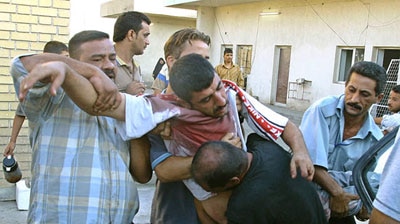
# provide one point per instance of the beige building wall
(314, 31)
(25, 26)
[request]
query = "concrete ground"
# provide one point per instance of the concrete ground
(10, 214)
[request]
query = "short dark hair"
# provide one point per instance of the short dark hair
(82, 37)
(396, 89)
(131, 20)
(176, 43)
(55, 47)
(228, 50)
(370, 70)
(191, 73)
(223, 160)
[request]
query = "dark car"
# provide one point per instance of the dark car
(367, 171)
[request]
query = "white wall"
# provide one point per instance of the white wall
(85, 15)
(313, 32)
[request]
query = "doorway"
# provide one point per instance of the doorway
(284, 53)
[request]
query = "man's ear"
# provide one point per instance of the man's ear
(170, 61)
(233, 182)
(131, 35)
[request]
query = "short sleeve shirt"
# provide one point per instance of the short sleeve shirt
(322, 127)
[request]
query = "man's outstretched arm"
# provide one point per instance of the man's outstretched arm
(79, 89)
(107, 92)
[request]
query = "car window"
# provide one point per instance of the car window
(368, 169)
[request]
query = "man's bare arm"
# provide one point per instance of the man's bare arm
(301, 158)
(377, 217)
(17, 124)
(140, 166)
(107, 93)
(174, 168)
(79, 89)
(85, 69)
(177, 168)
(339, 199)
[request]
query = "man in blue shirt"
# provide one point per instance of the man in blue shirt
(337, 131)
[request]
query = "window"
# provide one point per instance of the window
(384, 56)
(346, 58)
(389, 58)
(244, 54)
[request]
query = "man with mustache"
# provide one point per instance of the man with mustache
(80, 166)
(337, 131)
(131, 37)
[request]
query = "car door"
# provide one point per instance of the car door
(367, 171)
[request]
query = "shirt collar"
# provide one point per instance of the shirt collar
(120, 61)
(233, 65)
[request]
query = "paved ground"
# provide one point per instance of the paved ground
(10, 214)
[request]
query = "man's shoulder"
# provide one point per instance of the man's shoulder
(327, 101)
(327, 105)
(24, 55)
(394, 115)
(17, 60)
